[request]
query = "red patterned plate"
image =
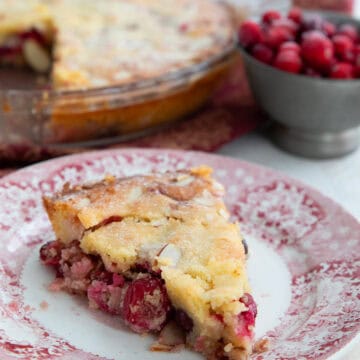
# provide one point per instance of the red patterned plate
(304, 265)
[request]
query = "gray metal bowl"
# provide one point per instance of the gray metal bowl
(311, 117)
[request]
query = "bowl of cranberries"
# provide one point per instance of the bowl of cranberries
(304, 70)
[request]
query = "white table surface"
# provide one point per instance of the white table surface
(338, 178)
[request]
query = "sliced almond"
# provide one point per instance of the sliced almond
(184, 180)
(222, 212)
(135, 194)
(36, 56)
(206, 199)
(169, 255)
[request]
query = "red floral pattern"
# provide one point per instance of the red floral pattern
(319, 242)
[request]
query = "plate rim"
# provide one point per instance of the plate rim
(350, 341)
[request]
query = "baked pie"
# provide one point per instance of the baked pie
(99, 44)
(160, 252)
(123, 47)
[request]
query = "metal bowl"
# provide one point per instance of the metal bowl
(312, 117)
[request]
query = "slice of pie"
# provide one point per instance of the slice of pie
(160, 252)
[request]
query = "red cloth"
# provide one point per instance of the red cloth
(346, 6)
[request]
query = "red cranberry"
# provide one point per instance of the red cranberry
(349, 57)
(246, 319)
(50, 253)
(290, 46)
(269, 16)
(317, 50)
(357, 71)
(183, 319)
(288, 61)
(118, 280)
(328, 28)
(262, 53)
(277, 35)
(295, 14)
(342, 71)
(349, 30)
(249, 302)
(146, 305)
(287, 24)
(342, 46)
(250, 33)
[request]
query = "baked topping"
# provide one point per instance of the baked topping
(124, 41)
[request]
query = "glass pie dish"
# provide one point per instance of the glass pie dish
(35, 115)
(100, 116)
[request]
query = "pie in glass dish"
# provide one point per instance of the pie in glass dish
(160, 252)
(121, 66)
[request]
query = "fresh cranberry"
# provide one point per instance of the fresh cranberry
(183, 319)
(357, 71)
(343, 45)
(50, 253)
(269, 16)
(328, 28)
(349, 30)
(290, 46)
(246, 319)
(146, 305)
(276, 36)
(317, 50)
(288, 61)
(287, 24)
(342, 71)
(250, 33)
(349, 57)
(295, 14)
(262, 53)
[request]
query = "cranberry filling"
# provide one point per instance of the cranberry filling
(29, 47)
(35, 35)
(142, 301)
(246, 319)
(8, 51)
(50, 253)
(146, 305)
